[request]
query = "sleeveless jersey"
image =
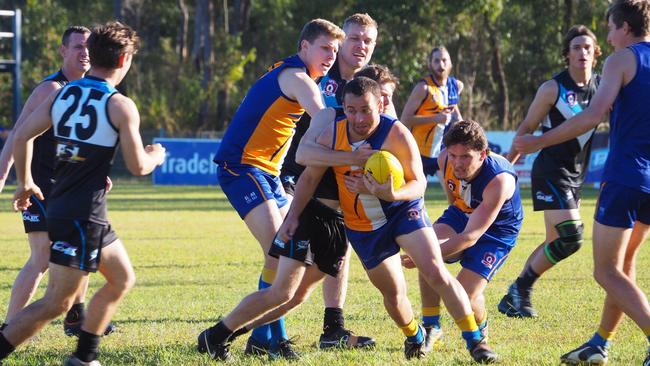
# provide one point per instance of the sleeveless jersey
(331, 87)
(86, 141)
(439, 97)
(628, 162)
(567, 162)
(362, 212)
(44, 146)
(468, 195)
(261, 130)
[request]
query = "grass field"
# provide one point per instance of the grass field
(194, 260)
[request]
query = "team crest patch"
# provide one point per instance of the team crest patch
(413, 214)
(489, 259)
(451, 185)
(330, 88)
(571, 98)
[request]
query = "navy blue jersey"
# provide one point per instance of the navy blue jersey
(628, 162)
(86, 141)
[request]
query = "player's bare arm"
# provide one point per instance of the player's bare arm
(125, 116)
(32, 126)
(500, 189)
(311, 153)
(40, 93)
(401, 143)
(619, 70)
(413, 103)
(441, 165)
(297, 85)
(539, 108)
(304, 191)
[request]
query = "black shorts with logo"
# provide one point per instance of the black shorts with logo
(34, 217)
(319, 239)
(553, 195)
(78, 244)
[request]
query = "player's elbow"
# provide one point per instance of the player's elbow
(138, 168)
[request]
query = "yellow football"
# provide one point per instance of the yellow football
(381, 164)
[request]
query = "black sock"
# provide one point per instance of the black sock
(219, 333)
(238, 332)
(526, 281)
(87, 346)
(5, 347)
(76, 313)
(333, 320)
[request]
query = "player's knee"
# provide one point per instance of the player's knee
(569, 241)
(280, 295)
(54, 309)
(122, 285)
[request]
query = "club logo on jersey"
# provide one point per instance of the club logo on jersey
(543, 197)
(451, 185)
(413, 214)
(571, 98)
(489, 259)
(30, 217)
(65, 248)
(69, 152)
(330, 88)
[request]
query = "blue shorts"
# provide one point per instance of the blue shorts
(621, 206)
(373, 247)
(487, 254)
(429, 165)
(248, 187)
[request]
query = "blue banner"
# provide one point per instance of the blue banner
(187, 162)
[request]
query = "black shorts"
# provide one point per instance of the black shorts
(327, 188)
(78, 244)
(553, 195)
(320, 238)
(34, 216)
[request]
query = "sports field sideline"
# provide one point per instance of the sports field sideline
(194, 260)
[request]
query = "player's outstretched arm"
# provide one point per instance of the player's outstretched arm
(413, 103)
(619, 69)
(401, 143)
(539, 108)
(500, 189)
(40, 93)
(33, 125)
(311, 153)
(125, 116)
(304, 191)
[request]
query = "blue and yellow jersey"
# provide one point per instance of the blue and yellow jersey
(261, 130)
(429, 135)
(468, 195)
(362, 212)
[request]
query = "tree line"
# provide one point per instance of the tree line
(199, 57)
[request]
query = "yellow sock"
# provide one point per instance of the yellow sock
(430, 310)
(467, 323)
(268, 275)
(607, 335)
(410, 329)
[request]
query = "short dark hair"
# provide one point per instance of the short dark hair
(73, 29)
(378, 73)
(468, 133)
(318, 27)
(635, 12)
(108, 41)
(362, 85)
(578, 31)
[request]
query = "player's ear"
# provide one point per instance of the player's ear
(62, 49)
(122, 59)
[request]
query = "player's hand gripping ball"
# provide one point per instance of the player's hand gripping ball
(381, 164)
